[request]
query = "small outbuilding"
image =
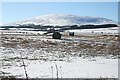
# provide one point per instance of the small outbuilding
(71, 33)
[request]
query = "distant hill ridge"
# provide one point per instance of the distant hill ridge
(62, 20)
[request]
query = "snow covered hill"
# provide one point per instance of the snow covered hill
(62, 20)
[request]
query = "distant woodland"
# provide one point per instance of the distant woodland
(40, 27)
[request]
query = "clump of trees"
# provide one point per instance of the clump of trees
(45, 27)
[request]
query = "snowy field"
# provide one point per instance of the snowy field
(69, 57)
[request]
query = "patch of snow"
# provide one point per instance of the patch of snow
(77, 67)
(99, 31)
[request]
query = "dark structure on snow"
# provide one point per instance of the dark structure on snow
(56, 35)
(71, 33)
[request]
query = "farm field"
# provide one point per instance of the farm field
(69, 57)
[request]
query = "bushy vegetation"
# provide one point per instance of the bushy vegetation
(89, 26)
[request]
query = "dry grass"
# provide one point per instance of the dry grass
(93, 44)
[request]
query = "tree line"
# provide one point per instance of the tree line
(42, 27)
